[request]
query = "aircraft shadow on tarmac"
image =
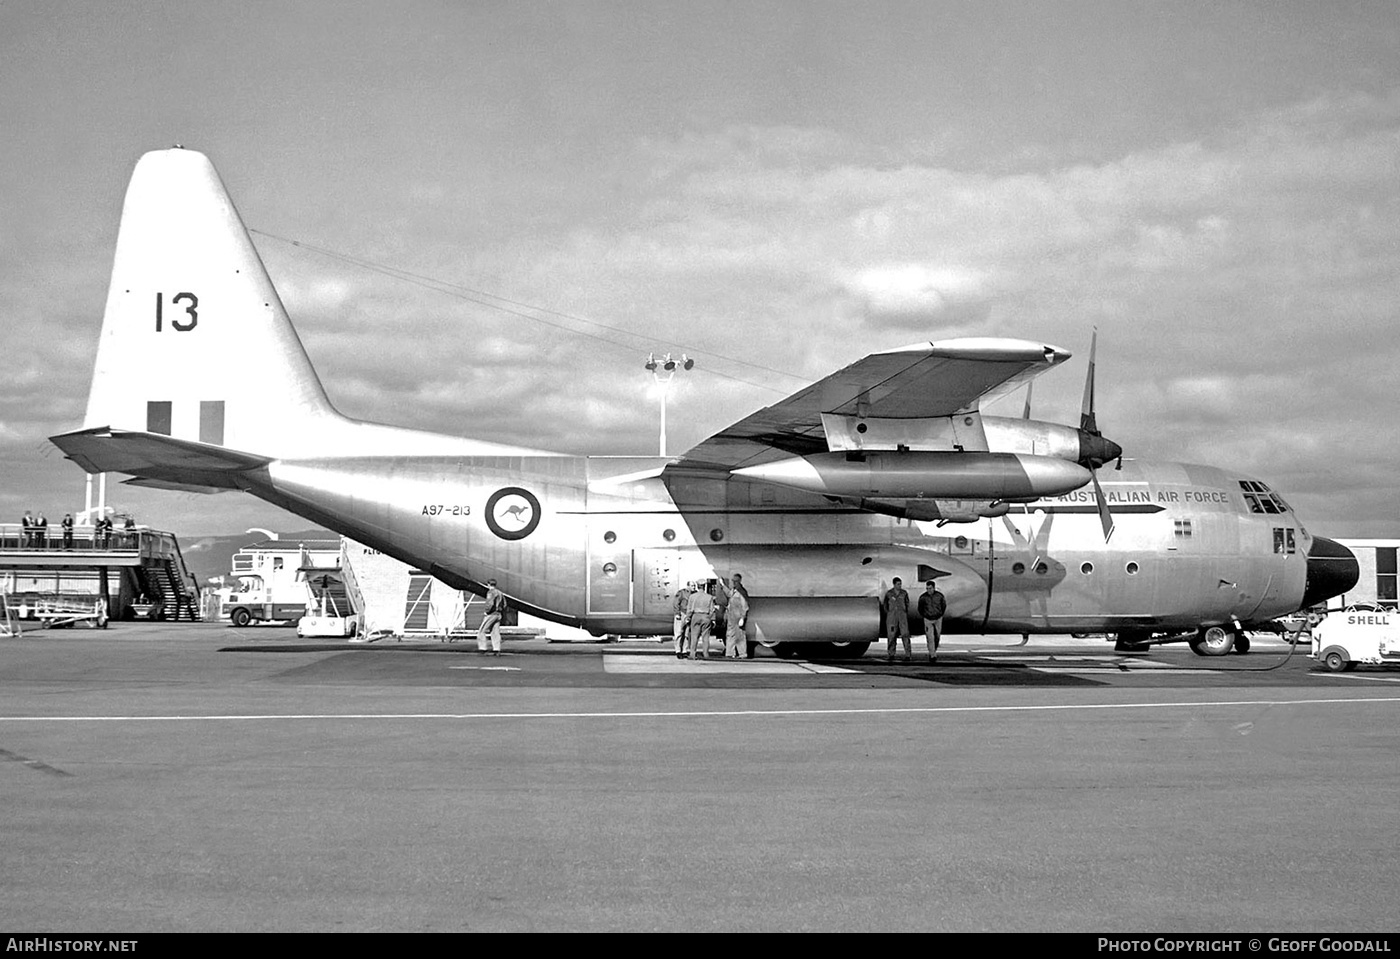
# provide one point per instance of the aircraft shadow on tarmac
(971, 671)
(955, 670)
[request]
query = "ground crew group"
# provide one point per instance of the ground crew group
(714, 609)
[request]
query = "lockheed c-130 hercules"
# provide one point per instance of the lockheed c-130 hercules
(885, 468)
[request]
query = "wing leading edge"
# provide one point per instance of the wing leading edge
(926, 381)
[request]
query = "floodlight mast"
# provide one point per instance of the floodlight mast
(669, 366)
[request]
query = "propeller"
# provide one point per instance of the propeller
(1094, 450)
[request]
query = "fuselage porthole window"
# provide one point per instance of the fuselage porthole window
(1018, 568)
(609, 569)
(1087, 568)
(1132, 569)
(1041, 569)
(610, 537)
(668, 535)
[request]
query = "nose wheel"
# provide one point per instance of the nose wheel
(1218, 641)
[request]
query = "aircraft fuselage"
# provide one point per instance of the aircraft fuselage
(605, 542)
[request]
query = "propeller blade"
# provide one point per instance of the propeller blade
(1087, 422)
(1026, 413)
(1105, 517)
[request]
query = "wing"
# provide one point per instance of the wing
(913, 391)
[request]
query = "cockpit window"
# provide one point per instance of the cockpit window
(1261, 499)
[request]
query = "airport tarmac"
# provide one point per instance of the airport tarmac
(205, 778)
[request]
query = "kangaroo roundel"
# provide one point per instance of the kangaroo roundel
(512, 512)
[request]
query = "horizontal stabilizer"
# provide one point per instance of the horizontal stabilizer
(154, 456)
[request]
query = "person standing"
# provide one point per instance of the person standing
(681, 606)
(896, 607)
(736, 615)
(102, 532)
(932, 606)
(28, 527)
(67, 530)
(491, 622)
(739, 587)
(700, 620)
(41, 530)
(719, 619)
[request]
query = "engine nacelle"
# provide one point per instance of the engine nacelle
(924, 474)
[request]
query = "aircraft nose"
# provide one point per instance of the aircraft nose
(1332, 570)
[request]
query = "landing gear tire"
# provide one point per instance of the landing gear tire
(241, 617)
(844, 650)
(1213, 641)
(787, 650)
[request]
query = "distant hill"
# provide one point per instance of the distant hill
(211, 556)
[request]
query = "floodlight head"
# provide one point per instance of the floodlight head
(687, 362)
(670, 365)
(651, 362)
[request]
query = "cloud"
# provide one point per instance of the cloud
(918, 293)
(1244, 285)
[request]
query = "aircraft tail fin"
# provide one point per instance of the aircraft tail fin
(195, 342)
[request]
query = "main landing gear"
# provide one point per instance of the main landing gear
(1219, 640)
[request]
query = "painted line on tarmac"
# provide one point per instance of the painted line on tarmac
(714, 713)
(1119, 671)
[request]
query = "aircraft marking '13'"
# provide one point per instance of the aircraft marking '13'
(885, 468)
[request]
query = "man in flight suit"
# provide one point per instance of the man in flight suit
(896, 608)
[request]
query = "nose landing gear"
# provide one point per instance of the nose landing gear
(1219, 641)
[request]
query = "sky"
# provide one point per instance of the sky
(483, 216)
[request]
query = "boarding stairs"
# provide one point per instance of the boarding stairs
(147, 562)
(162, 584)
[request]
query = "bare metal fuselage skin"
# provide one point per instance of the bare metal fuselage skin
(605, 542)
